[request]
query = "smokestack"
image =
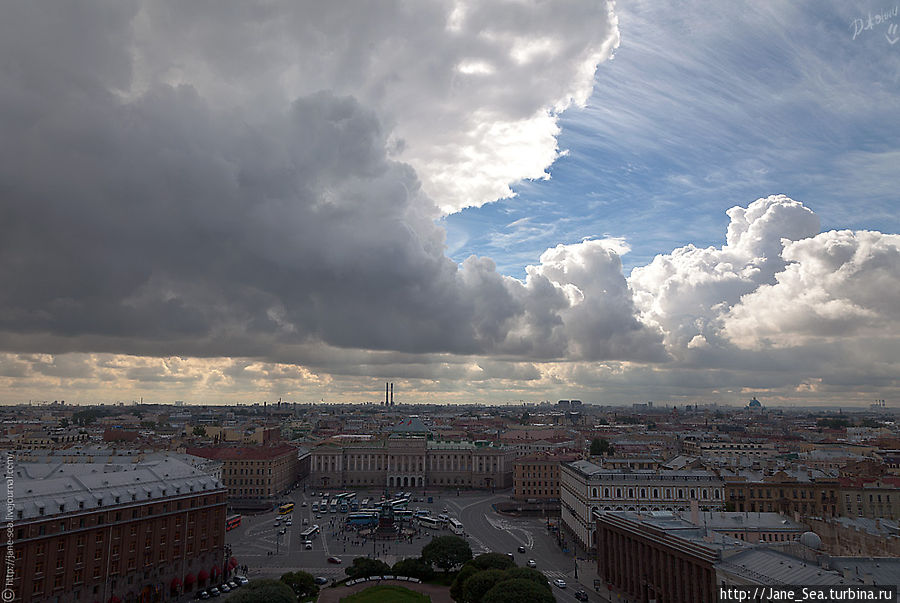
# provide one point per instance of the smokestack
(385, 393)
(392, 394)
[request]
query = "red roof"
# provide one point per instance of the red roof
(242, 453)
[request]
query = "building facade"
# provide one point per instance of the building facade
(102, 532)
(646, 563)
(536, 476)
(586, 488)
(801, 493)
(255, 476)
(410, 462)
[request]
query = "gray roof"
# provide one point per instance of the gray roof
(762, 565)
(45, 490)
(884, 570)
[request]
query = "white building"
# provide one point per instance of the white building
(586, 487)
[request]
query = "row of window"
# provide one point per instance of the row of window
(667, 493)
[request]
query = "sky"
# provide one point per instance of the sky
(496, 202)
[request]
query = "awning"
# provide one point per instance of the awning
(215, 571)
(175, 584)
(232, 563)
(189, 579)
(202, 576)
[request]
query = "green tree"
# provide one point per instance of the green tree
(467, 571)
(517, 591)
(413, 567)
(264, 591)
(477, 585)
(363, 567)
(446, 552)
(600, 446)
(492, 561)
(526, 573)
(64, 422)
(200, 430)
(302, 583)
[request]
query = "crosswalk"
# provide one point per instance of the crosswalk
(553, 574)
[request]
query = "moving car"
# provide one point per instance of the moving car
(334, 560)
(303, 504)
(320, 580)
(510, 555)
(560, 582)
(289, 523)
(532, 563)
(581, 595)
(307, 545)
(521, 549)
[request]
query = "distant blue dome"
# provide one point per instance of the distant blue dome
(754, 403)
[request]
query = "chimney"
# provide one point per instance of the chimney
(385, 393)
(392, 394)
(695, 511)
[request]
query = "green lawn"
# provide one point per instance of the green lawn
(387, 594)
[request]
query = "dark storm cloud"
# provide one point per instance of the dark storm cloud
(166, 223)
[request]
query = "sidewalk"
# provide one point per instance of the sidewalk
(438, 594)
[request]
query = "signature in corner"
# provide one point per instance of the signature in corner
(891, 34)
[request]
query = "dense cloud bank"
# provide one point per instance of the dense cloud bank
(257, 185)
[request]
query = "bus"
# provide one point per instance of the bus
(398, 503)
(362, 519)
(403, 514)
(431, 523)
(232, 521)
(309, 533)
(456, 527)
(285, 508)
(334, 506)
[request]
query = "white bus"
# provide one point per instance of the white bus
(431, 523)
(456, 527)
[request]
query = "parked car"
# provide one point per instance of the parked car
(333, 559)
(224, 588)
(320, 580)
(202, 595)
(241, 580)
(232, 584)
(532, 563)
(560, 582)
(581, 595)
(521, 549)
(214, 592)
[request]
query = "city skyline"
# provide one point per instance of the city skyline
(476, 202)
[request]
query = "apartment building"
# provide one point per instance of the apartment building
(536, 477)
(255, 476)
